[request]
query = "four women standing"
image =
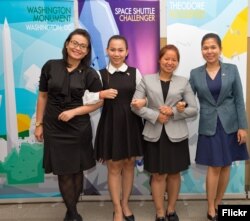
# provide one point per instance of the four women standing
(63, 121)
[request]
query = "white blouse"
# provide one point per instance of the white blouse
(93, 97)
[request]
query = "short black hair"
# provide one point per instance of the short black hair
(211, 35)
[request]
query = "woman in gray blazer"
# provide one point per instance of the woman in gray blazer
(223, 123)
(165, 131)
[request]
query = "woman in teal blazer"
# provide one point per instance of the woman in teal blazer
(222, 124)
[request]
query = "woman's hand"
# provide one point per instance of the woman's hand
(138, 103)
(108, 94)
(66, 115)
(102, 161)
(39, 133)
(180, 106)
(162, 118)
(242, 136)
(166, 110)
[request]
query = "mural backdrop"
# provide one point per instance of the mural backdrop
(33, 31)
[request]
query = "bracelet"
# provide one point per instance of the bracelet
(38, 124)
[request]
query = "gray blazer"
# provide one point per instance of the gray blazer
(230, 106)
(179, 89)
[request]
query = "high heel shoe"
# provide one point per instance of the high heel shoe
(172, 216)
(129, 218)
(212, 218)
(79, 217)
(159, 218)
(72, 217)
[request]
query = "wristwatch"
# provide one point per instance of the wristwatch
(37, 124)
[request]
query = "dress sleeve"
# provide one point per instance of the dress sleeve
(43, 83)
(93, 82)
(92, 97)
(138, 77)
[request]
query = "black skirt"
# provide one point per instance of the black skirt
(165, 156)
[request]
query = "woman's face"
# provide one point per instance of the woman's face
(169, 62)
(117, 52)
(77, 47)
(211, 51)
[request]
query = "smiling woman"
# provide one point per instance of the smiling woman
(118, 137)
(63, 122)
(222, 122)
(166, 151)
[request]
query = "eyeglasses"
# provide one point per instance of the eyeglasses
(75, 44)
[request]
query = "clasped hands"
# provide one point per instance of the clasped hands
(166, 112)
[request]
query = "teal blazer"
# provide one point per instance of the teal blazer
(230, 107)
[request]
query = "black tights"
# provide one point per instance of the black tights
(71, 186)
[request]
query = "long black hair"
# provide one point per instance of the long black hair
(86, 61)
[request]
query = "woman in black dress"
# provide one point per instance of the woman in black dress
(118, 137)
(63, 122)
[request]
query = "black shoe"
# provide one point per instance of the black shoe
(71, 217)
(66, 216)
(159, 218)
(79, 217)
(129, 218)
(213, 218)
(172, 216)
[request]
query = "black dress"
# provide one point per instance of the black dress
(67, 145)
(165, 156)
(119, 132)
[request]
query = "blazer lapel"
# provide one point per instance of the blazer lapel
(204, 85)
(224, 82)
(158, 88)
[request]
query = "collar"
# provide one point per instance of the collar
(111, 69)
